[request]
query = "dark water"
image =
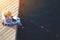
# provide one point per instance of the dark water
(42, 22)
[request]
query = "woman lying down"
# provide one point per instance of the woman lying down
(8, 20)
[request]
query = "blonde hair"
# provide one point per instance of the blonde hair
(7, 13)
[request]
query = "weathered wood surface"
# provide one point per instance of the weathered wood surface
(8, 33)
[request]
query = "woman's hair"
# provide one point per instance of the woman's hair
(7, 13)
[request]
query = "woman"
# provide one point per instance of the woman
(7, 19)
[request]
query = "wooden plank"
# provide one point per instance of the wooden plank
(8, 33)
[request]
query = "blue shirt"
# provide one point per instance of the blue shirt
(9, 20)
